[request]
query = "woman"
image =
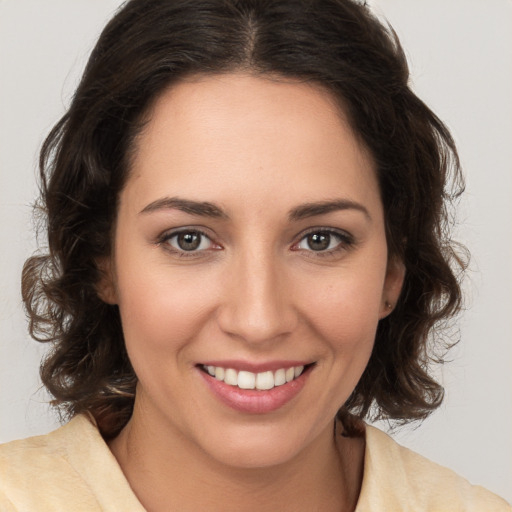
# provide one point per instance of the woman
(247, 254)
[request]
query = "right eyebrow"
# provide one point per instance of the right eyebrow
(200, 208)
(323, 207)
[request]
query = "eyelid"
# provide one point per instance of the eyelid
(171, 233)
(346, 240)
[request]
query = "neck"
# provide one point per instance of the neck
(168, 472)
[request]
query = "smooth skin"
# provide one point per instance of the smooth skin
(250, 228)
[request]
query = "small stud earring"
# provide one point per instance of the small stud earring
(388, 305)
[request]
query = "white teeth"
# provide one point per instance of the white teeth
(231, 377)
(246, 380)
(265, 380)
(280, 377)
(249, 380)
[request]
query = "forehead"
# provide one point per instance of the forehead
(237, 134)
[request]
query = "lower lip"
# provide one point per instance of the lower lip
(255, 401)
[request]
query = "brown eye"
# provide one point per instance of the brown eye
(189, 241)
(324, 241)
(318, 241)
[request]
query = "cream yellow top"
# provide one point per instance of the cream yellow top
(72, 469)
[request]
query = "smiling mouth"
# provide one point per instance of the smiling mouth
(262, 381)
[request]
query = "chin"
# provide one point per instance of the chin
(251, 451)
(261, 445)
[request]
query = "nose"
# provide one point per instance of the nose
(257, 305)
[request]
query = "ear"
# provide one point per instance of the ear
(106, 286)
(395, 275)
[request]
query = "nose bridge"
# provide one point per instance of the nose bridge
(257, 307)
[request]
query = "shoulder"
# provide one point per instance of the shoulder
(396, 478)
(39, 473)
(40, 455)
(68, 469)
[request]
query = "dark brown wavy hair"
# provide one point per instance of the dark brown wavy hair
(85, 161)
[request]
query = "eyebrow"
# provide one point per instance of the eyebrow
(201, 208)
(207, 209)
(323, 207)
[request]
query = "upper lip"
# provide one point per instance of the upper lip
(253, 367)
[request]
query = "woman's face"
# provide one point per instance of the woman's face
(250, 245)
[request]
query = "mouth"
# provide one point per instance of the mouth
(261, 381)
(265, 390)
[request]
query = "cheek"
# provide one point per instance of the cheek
(162, 309)
(346, 312)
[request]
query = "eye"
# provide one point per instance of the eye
(327, 241)
(188, 241)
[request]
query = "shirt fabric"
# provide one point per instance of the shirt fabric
(72, 469)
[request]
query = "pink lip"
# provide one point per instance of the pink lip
(251, 400)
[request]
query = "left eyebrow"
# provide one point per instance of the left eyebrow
(200, 208)
(321, 208)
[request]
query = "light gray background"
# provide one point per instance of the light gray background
(460, 53)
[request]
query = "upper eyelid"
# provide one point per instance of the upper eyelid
(168, 234)
(163, 240)
(346, 241)
(320, 229)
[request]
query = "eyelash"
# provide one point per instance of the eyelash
(345, 242)
(166, 237)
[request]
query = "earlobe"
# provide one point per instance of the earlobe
(105, 286)
(393, 283)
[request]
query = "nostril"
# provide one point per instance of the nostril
(256, 324)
